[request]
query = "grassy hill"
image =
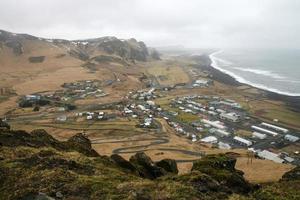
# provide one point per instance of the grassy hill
(37, 166)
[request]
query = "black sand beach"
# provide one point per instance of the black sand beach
(205, 63)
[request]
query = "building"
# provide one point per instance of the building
(216, 124)
(222, 145)
(265, 154)
(222, 133)
(230, 103)
(291, 138)
(194, 138)
(32, 97)
(264, 130)
(209, 139)
(277, 128)
(242, 141)
(62, 118)
(230, 116)
(259, 135)
(127, 111)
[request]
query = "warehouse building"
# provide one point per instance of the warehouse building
(277, 128)
(259, 135)
(264, 130)
(291, 138)
(242, 141)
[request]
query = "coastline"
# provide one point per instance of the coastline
(223, 76)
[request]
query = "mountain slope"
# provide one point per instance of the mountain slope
(36, 166)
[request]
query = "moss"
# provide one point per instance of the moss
(28, 170)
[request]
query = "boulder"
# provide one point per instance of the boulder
(294, 174)
(146, 167)
(222, 168)
(220, 161)
(121, 162)
(82, 144)
(168, 165)
(4, 125)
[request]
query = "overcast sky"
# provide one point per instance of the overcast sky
(192, 23)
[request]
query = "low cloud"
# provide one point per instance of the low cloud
(193, 23)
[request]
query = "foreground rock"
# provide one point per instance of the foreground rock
(292, 175)
(4, 125)
(168, 165)
(40, 138)
(37, 166)
(146, 167)
(222, 168)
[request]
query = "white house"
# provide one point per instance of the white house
(209, 139)
(264, 130)
(242, 141)
(259, 135)
(230, 116)
(291, 138)
(270, 156)
(277, 128)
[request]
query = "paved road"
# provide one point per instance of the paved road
(153, 141)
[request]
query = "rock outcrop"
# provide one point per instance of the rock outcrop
(222, 168)
(146, 167)
(294, 174)
(40, 138)
(37, 166)
(168, 165)
(82, 144)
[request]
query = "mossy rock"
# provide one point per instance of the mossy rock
(168, 165)
(146, 167)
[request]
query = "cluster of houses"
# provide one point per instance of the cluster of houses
(180, 130)
(143, 107)
(214, 126)
(79, 90)
(144, 95)
(89, 116)
(217, 108)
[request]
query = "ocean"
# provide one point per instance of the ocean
(275, 70)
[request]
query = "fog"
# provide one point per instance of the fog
(191, 23)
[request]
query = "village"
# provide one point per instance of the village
(213, 120)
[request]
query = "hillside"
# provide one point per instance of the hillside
(30, 64)
(37, 166)
(131, 49)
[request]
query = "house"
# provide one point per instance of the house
(127, 111)
(194, 138)
(62, 118)
(151, 103)
(222, 133)
(222, 145)
(242, 141)
(291, 138)
(230, 116)
(230, 103)
(265, 154)
(259, 135)
(215, 124)
(32, 97)
(212, 113)
(209, 139)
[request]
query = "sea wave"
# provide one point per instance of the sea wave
(261, 72)
(240, 79)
